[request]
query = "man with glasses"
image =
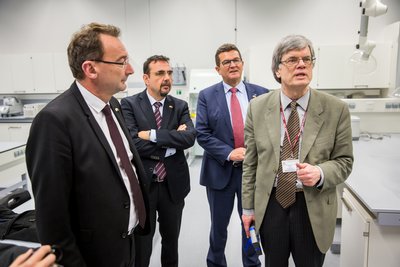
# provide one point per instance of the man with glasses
(87, 177)
(161, 128)
(299, 148)
(221, 111)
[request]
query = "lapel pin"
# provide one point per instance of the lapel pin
(170, 106)
(116, 109)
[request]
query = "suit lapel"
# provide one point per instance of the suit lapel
(312, 126)
(251, 93)
(168, 108)
(147, 109)
(94, 125)
(273, 125)
(221, 99)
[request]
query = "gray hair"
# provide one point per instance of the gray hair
(288, 43)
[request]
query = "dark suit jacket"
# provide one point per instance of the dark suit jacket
(139, 116)
(215, 134)
(82, 204)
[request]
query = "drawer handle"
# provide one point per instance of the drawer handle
(348, 206)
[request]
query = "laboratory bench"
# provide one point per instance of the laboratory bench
(370, 232)
(13, 173)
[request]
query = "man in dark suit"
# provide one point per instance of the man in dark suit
(161, 128)
(88, 199)
(219, 123)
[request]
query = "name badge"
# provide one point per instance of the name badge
(289, 165)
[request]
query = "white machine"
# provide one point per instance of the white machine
(11, 106)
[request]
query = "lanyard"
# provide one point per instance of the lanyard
(293, 146)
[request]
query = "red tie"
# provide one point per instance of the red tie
(126, 165)
(237, 120)
(159, 169)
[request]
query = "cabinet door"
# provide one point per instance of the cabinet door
(18, 131)
(22, 73)
(43, 73)
(62, 72)
(6, 83)
(354, 233)
(333, 69)
(4, 137)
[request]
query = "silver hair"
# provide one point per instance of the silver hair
(288, 43)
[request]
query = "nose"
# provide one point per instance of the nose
(129, 69)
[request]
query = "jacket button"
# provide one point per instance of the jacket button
(151, 169)
(123, 235)
(126, 205)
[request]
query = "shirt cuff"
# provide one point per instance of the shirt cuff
(321, 181)
(153, 136)
(248, 212)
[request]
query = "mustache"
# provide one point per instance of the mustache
(166, 84)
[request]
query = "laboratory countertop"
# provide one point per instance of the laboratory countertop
(16, 119)
(6, 146)
(375, 179)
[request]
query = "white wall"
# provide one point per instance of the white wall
(185, 30)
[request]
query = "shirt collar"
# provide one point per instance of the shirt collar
(240, 87)
(152, 100)
(93, 101)
(302, 101)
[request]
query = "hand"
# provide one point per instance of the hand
(247, 220)
(308, 174)
(145, 135)
(182, 127)
(238, 154)
(39, 258)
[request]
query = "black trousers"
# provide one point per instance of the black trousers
(285, 231)
(169, 216)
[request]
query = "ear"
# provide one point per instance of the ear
(89, 69)
(146, 79)
(277, 74)
(217, 69)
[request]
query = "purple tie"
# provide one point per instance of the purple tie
(159, 169)
(126, 165)
(237, 120)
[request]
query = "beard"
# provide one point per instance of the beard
(165, 93)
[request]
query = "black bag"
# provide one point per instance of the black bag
(17, 226)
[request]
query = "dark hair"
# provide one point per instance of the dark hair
(288, 43)
(225, 48)
(86, 45)
(155, 58)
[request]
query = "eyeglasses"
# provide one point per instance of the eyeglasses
(162, 73)
(228, 62)
(123, 64)
(293, 61)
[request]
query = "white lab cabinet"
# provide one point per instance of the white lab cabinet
(36, 73)
(14, 132)
(43, 73)
(365, 243)
(199, 79)
(6, 83)
(22, 74)
(62, 72)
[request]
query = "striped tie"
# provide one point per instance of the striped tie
(286, 187)
(159, 169)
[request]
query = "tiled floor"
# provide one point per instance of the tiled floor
(193, 240)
